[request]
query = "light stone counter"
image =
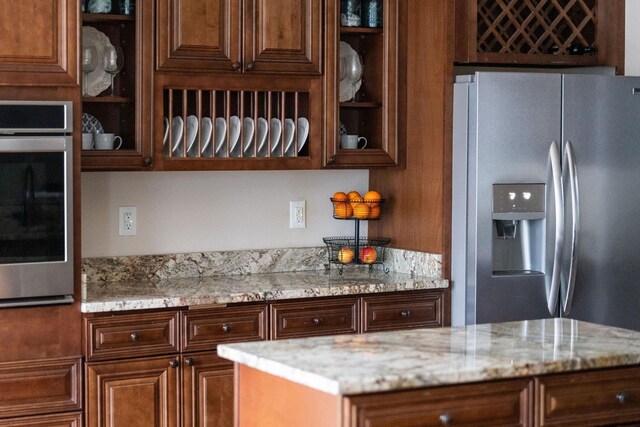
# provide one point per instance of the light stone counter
(238, 288)
(388, 361)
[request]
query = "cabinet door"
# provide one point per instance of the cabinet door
(133, 393)
(73, 419)
(39, 42)
(282, 36)
(198, 35)
(208, 390)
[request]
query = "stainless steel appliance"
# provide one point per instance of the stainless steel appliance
(546, 198)
(36, 203)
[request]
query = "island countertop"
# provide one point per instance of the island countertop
(242, 288)
(389, 361)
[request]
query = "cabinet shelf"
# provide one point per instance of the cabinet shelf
(107, 17)
(107, 99)
(360, 30)
(361, 104)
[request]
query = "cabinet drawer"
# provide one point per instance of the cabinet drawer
(40, 386)
(590, 398)
(504, 403)
(131, 335)
(312, 318)
(54, 420)
(410, 310)
(204, 329)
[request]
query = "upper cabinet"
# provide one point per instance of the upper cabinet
(39, 43)
(361, 84)
(547, 32)
(120, 105)
(275, 36)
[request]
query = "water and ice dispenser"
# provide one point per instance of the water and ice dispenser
(517, 245)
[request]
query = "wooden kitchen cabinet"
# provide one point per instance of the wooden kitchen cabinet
(549, 32)
(240, 36)
(53, 420)
(403, 311)
(373, 112)
(127, 113)
(39, 43)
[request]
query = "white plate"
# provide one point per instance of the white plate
(165, 138)
(303, 132)
(276, 131)
(192, 133)
(261, 133)
(97, 80)
(234, 135)
(90, 124)
(206, 128)
(288, 134)
(248, 129)
(350, 72)
(177, 127)
(221, 136)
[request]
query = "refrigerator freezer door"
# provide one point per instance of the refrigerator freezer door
(602, 120)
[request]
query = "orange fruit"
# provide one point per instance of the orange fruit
(356, 201)
(345, 255)
(374, 211)
(372, 196)
(339, 196)
(361, 210)
(353, 194)
(342, 210)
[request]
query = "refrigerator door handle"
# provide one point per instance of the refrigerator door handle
(556, 171)
(575, 213)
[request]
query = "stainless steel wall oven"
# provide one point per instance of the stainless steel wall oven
(36, 203)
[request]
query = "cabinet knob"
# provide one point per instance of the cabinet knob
(135, 336)
(147, 161)
(174, 363)
(189, 361)
(226, 328)
(251, 66)
(622, 397)
(405, 313)
(317, 320)
(236, 66)
(446, 419)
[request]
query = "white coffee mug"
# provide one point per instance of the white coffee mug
(350, 142)
(87, 141)
(106, 141)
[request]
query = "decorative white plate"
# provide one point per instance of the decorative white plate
(90, 124)
(288, 134)
(177, 127)
(192, 132)
(276, 131)
(262, 130)
(248, 128)
(303, 132)
(221, 134)
(350, 72)
(206, 128)
(97, 80)
(234, 135)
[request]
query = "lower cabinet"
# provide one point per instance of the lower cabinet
(53, 420)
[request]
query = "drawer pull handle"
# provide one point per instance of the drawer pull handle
(236, 66)
(174, 363)
(446, 419)
(622, 397)
(226, 328)
(135, 336)
(405, 313)
(189, 361)
(317, 320)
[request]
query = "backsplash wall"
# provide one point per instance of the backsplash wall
(179, 212)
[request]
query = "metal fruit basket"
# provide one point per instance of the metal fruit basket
(345, 209)
(356, 250)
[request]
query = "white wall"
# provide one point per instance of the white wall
(210, 211)
(632, 38)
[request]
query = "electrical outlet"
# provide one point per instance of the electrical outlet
(297, 214)
(127, 221)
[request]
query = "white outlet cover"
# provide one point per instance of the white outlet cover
(127, 221)
(297, 214)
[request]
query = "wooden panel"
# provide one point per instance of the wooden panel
(131, 335)
(207, 390)
(402, 311)
(303, 406)
(498, 404)
(204, 329)
(589, 398)
(135, 393)
(282, 36)
(39, 42)
(198, 35)
(53, 420)
(314, 318)
(40, 386)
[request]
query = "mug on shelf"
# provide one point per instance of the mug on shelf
(106, 141)
(350, 142)
(87, 141)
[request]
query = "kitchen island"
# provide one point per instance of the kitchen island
(540, 372)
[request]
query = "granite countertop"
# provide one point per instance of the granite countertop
(238, 288)
(387, 361)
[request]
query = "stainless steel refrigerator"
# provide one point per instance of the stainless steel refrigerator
(546, 198)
